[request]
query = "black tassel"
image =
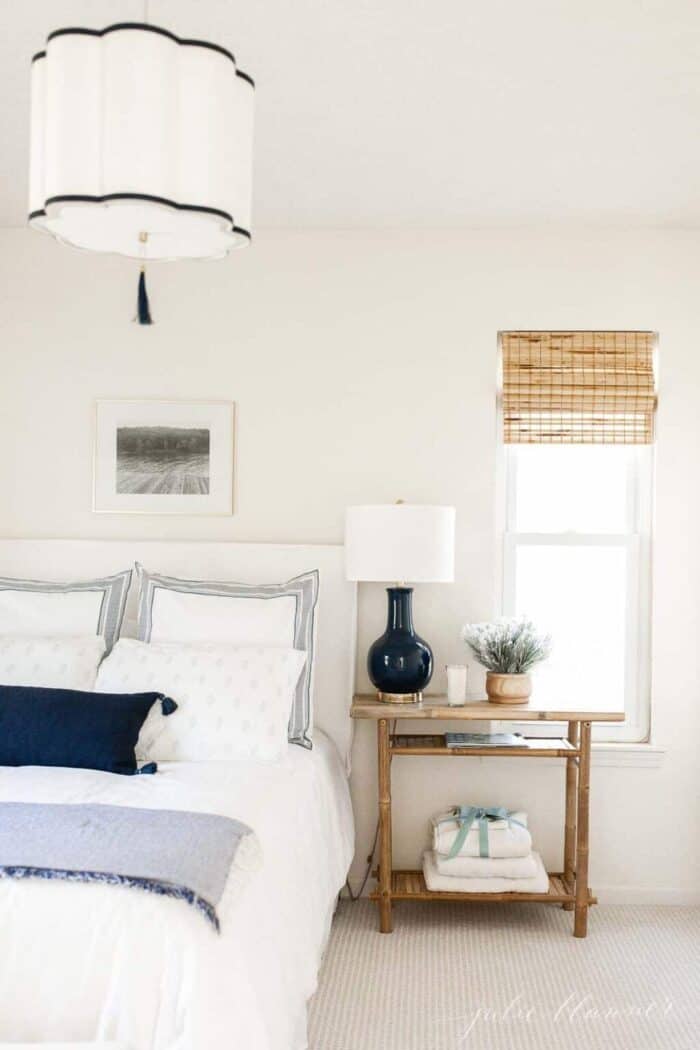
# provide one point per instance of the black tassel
(143, 306)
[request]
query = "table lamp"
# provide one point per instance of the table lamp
(408, 543)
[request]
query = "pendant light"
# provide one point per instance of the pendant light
(141, 145)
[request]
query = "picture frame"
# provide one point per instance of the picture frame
(163, 457)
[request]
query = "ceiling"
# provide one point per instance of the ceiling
(431, 112)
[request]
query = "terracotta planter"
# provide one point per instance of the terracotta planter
(508, 688)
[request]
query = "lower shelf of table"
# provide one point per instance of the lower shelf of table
(410, 886)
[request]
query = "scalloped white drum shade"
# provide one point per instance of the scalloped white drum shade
(400, 542)
(135, 131)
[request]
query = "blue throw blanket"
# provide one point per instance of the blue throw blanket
(169, 852)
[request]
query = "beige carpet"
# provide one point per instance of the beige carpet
(509, 977)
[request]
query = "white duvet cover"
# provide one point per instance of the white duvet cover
(87, 962)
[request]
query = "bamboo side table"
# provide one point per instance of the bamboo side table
(568, 887)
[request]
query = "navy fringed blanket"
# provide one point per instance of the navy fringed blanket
(169, 852)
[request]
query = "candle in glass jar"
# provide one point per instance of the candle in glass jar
(456, 684)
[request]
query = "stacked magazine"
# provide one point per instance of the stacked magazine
(485, 740)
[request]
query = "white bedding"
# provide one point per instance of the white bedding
(103, 963)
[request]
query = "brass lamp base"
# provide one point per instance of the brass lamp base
(400, 698)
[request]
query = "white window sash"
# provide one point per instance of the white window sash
(637, 543)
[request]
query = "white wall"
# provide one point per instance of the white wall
(363, 366)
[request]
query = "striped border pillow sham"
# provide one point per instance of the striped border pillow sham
(176, 610)
(34, 608)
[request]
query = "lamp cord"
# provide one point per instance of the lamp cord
(368, 871)
(370, 858)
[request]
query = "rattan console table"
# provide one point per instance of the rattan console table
(568, 887)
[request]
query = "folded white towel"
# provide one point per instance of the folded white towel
(539, 883)
(505, 840)
(487, 867)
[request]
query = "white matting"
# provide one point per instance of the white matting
(509, 977)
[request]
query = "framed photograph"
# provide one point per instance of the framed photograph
(164, 457)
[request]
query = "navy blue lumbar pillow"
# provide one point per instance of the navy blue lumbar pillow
(66, 727)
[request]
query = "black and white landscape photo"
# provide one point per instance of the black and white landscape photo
(163, 460)
(164, 457)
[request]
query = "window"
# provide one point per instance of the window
(577, 557)
(577, 562)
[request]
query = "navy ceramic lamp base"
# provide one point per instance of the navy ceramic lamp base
(399, 663)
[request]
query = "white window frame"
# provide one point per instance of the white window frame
(637, 542)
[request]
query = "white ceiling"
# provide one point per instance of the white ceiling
(431, 112)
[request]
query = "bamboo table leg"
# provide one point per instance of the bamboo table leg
(584, 778)
(570, 818)
(385, 861)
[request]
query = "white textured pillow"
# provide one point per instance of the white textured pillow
(232, 703)
(54, 663)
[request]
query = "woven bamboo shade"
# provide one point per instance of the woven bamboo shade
(578, 388)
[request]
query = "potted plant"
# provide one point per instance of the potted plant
(507, 649)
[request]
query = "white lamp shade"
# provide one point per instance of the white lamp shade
(135, 131)
(400, 542)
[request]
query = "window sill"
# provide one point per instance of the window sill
(641, 756)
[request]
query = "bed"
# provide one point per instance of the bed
(97, 963)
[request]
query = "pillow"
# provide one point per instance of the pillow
(57, 663)
(66, 727)
(40, 608)
(234, 703)
(268, 614)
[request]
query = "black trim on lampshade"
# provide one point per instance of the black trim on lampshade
(92, 199)
(144, 26)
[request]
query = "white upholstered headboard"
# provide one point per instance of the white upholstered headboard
(68, 560)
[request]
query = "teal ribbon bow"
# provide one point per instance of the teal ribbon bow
(467, 816)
